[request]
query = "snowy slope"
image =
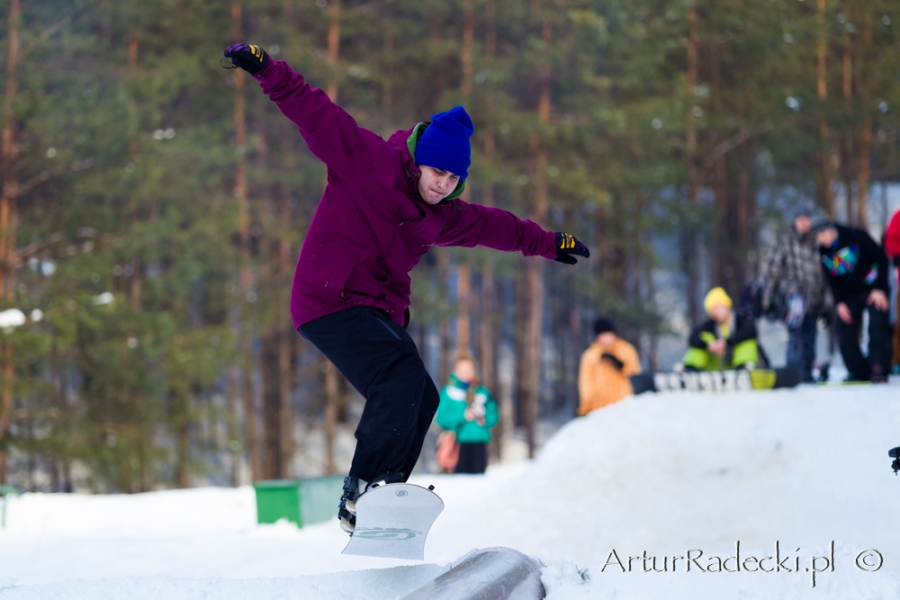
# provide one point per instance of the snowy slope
(681, 477)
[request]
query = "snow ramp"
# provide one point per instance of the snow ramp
(489, 574)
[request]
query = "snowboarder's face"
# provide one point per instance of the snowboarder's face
(436, 184)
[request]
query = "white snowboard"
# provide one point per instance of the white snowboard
(393, 520)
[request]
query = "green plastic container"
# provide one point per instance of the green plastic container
(5, 492)
(301, 501)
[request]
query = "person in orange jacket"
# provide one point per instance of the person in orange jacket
(606, 366)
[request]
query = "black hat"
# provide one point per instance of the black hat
(603, 325)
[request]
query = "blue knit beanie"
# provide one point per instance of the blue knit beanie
(445, 143)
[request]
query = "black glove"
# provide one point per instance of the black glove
(612, 361)
(250, 58)
(567, 246)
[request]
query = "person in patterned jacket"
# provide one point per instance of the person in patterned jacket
(856, 269)
(794, 271)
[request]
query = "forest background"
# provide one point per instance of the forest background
(153, 203)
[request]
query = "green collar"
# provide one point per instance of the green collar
(411, 142)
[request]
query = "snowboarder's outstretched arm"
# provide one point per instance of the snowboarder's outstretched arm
(472, 225)
(332, 135)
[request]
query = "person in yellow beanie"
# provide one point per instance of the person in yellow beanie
(727, 340)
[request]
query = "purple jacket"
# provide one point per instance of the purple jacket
(371, 226)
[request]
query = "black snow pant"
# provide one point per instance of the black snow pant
(879, 341)
(801, 347)
(380, 360)
(472, 459)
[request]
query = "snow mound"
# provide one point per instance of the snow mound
(758, 495)
(659, 476)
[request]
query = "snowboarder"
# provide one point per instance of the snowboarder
(606, 366)
(728, 340)
(794, 271)
(856, 269)
(387, 202)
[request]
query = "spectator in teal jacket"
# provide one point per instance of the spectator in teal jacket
(468, 410)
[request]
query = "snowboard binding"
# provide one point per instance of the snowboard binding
(355, 487)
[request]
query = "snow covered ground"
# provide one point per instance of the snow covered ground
(679, 482)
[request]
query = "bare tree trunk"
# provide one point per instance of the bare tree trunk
(183, 429)
(468, 41)
(743, 228)
(744, 217)
(489, 332)
(534, 269)
(693, 167)
(443, 273)
(387, 79)
(437, 78)
(285, 375)
(848, 153)
(720, 236)
(245, 277)
(272, 457)
(234, 433)
(864, 129)
(521, 381)
(463, 275)
(332, 377)
(464, 316)
(652, 359)
(332, 390)
(8, 195)
(826, 196)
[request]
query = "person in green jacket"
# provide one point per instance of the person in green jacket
(468, 410)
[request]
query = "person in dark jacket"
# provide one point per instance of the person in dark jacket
(728, 340)
(386, 204)
(469, 411)
(856, 269)
(794, 272)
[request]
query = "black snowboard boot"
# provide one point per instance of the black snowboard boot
(823, 372)
(354, 487)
